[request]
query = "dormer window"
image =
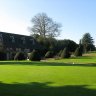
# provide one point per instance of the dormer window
(12, 38)
(23, 39)
(1, 38)
(32, 40)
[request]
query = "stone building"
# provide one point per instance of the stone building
(13, 43)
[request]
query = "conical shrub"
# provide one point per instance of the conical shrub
(49, 54)
(78, 52)
(60, 52)
(19, 56)
(34, 56)
(65, 53)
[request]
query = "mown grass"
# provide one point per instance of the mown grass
(25, 78)
(85, 59)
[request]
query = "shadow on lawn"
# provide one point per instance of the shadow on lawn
(42, 89)
(37, 63)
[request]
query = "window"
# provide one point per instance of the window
(24, 41)
(32, 40)
(10, 49)
(1, 38)
(18, 49)
(12, 38)
(27, 50)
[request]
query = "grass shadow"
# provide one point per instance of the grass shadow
(43, 89)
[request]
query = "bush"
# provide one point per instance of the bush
(12, 55)
(78, 52)
(3, 56)
(49, 54)
(34, 56)
(65, 53)
(19, 56)
(42, 53)
(60, 52)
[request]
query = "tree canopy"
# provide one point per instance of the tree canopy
(45, 26)
(87, 39)
(87, 42)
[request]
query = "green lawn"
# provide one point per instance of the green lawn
(86, 59)
(47, 79)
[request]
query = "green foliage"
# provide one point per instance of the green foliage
(2, 55)
(43, 41)
(55, 45)
(19, 56)
(12, 55)
(71, 45)
(47, 43)
(34, 56)
(87, 42)
(79, 51)
(65, 53)
(60, 52)
(49, 54)
(87, 39)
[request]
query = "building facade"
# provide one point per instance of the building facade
(13, 43)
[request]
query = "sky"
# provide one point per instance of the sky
(76, 16)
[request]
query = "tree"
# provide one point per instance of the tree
(47, 43)
(87, 42)
(60, 52)
(78, 51)
(45, 26)
(34, 56)
(65, 53)
(71, 45)
(2, 55)
(19, 56)
(49, 54)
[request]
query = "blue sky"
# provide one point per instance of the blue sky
(76, 16)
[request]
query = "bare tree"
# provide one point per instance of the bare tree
(45, 26)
